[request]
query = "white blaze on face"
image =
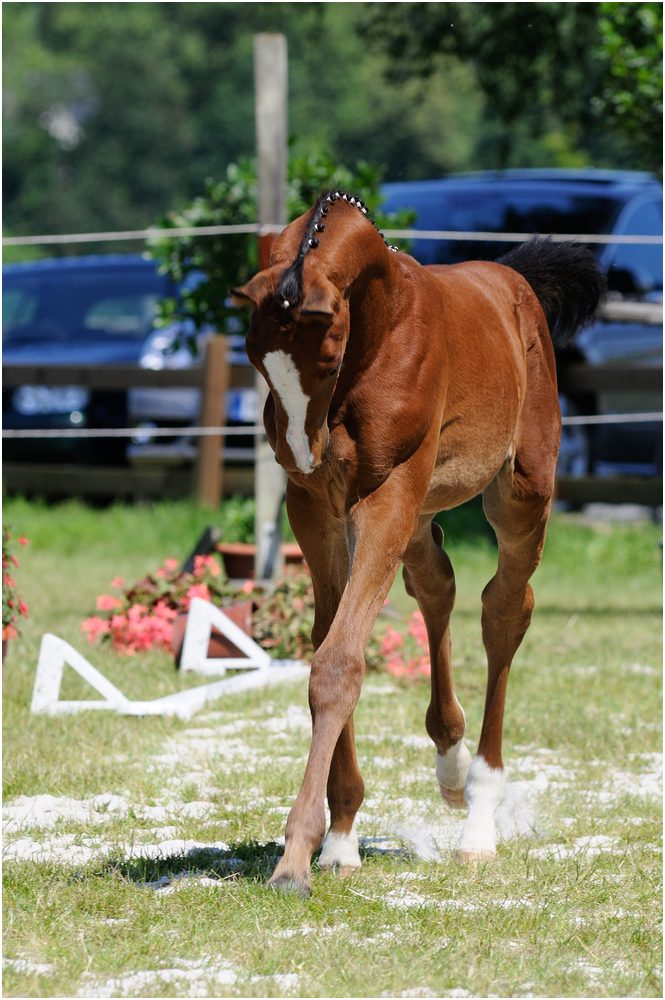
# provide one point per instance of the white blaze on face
(285, 381)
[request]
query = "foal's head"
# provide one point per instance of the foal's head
(300, 323)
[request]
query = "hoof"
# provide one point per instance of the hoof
(289, 886)
(454, 797)
(341, 871)
(472, 854)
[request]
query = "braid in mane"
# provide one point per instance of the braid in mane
(289, 291)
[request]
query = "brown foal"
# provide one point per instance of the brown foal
(397, 391)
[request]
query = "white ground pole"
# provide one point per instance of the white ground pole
(258, 669)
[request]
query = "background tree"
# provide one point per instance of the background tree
(116, 112)
(631, 95)
(581, 77)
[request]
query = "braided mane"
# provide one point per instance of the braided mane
(289, 291)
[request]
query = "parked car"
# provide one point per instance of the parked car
(587, 202)
(100, 310)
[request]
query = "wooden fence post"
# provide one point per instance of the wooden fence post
(215, 386)
(270, 86)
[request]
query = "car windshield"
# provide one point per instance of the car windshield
(74, 306)
(498, 212)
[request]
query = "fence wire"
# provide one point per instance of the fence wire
(264, 230)
(154, 432)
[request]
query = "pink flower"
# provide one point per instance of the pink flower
(396, 667)
(197, 590)
(163, 611)
(203, 563)
(23, 540)
(105, 602)
(247, 587)
(135, 613)
(392, 640)
(117, 581)
(95, 626)
(417, 628)
(420, 665)
(171, 564)
(23, 609)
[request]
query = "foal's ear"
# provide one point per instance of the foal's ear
(253, 292)
(321, 301)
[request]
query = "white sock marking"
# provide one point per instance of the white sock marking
(452, 766)
(285, 380)
(340, 849)
(483, 792)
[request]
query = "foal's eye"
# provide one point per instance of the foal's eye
(333, 372)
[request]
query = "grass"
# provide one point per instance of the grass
(570, 909)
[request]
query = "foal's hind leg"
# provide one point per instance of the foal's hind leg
(428, 576)
(345, 792)
(519, 522)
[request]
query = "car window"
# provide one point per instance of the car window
(123, 314)
(78, 306)
(548, 211)
(638, 268)
(18, 308)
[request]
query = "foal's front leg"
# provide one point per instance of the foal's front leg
(378, 531)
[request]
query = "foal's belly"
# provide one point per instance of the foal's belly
(469, 457)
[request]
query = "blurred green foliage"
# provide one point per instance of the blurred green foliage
(588, 76)
(631, 97)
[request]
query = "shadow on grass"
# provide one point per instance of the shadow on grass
(244, 860)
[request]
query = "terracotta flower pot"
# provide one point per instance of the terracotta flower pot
(239, 558)
(219, 646)
(292, 554)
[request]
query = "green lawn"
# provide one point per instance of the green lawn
(144, 873)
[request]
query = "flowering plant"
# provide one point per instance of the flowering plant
(283, 622)
(12, 604)
(140, 617)
(407, 654)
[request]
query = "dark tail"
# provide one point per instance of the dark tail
(567, 280)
